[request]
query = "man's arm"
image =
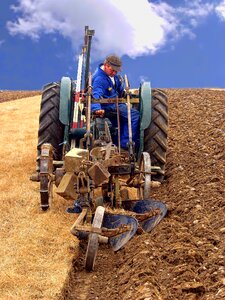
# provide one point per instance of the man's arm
(97, 92)
(98, 88)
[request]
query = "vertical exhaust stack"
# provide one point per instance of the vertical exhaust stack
(82, 85)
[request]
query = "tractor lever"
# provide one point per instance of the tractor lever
(130, 143)
(88, 135)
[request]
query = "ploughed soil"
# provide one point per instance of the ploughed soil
(6, 95)
(184, 256)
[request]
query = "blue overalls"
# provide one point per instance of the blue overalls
(103, 87)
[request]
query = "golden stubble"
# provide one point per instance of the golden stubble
(36, 247)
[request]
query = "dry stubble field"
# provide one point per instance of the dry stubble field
(183, 258)
(36, 248)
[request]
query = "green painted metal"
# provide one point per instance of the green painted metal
(65, 107)
(65, 101)
(145, 112)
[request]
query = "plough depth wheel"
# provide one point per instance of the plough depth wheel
(143, 192)
(93, 242)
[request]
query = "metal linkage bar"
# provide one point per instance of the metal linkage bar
(114, 100)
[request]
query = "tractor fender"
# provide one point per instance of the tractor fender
(145, 112)
(65, 101)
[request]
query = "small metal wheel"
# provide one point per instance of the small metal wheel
(144, 178)
(46, 176)
(93, 240)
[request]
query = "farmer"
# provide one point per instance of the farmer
(107, 84)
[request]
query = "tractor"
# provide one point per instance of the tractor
(76, 153)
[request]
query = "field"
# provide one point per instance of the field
(13, 95)
(182, 258)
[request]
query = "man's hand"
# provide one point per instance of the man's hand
(123, 94)
(100, 113)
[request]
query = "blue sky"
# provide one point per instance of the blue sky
(171, 43)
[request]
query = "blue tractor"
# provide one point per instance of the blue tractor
(76, 153)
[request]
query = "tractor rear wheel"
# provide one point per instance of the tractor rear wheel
(155, 136)
(51, 130)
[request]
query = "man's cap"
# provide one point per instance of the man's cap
(115, 62)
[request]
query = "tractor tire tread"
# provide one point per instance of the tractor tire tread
(51, 130)
(155, 136)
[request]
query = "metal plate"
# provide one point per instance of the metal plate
(144, 206)
(116, 220)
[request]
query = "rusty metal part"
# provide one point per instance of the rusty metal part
(66, 186)
(88, 135)
(102, 152)
(89, 216)
(108, 137)
(93, 241)
(89, 228)
(83, 183)
(108, 150)
(104, 232)
(78, 221)
(145, 216)
(111, 190)
(97, 153)
(118, 201)
(115, 231)
(46, 175)
(98, 173)
(118, 122)
(124, 193)
(35, 176)
(133, 100)
(122, 169)
(135, 182)
(59, 172)
(114, 150)
(75, 158)
(112, 162)
(103, 239)
(58, 163)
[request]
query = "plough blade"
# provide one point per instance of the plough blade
(112, 221)
(143, 209)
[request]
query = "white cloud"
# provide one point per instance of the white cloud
(134, 28)
(123, 26)
(2, 42)
(220, 9)
(197, 9)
